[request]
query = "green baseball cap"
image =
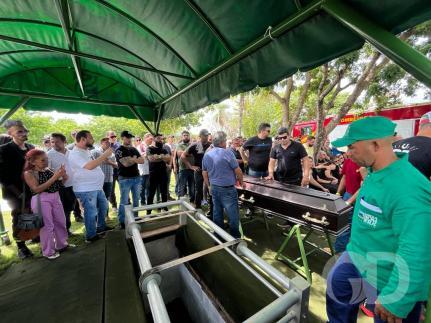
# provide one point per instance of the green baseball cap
(366, 129)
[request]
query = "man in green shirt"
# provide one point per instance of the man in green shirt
(387, 259)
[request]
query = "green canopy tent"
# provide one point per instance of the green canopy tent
(152, 60)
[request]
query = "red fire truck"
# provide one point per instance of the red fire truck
(406, 118)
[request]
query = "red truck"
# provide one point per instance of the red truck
(406, 118)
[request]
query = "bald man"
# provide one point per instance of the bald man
(387, 259)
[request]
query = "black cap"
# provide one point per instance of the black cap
(126, 134)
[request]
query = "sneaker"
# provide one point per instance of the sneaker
(69, 246)
(53, 256)
(92, 239)
(24, 253)
(114, 209)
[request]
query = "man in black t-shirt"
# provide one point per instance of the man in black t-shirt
(12, 160)
(293, 165)
(419, 147)
(197, 150)
(128, 158)
(256, 151)
(158, 155)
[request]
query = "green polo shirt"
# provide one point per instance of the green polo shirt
(391, 235)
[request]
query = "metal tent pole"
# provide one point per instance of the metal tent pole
(140, 118)
(388, 44)
(11, 111)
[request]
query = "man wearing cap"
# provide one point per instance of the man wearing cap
(419, 147)
(387, 259)
(197, 151)
(128, 158)
(12, 160)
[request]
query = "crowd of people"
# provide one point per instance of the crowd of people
(81, 178)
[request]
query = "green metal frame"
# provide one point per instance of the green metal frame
(10, 112)
(388, 44)
(304, 269)
(66, 24)
(90, 56)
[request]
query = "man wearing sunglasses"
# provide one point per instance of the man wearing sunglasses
(293, 165)
(12, 159)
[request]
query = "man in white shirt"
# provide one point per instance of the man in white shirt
(87, 182)
(144, 169)
(57, 156)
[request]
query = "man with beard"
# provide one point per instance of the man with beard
(185, 175)
(158, 156)
(387, 259)
(128, 158)
(87, 182)
(12, 160)
(197, 151)
(58, 157)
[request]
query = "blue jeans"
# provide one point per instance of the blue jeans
(346, 290)
(128, 185)
(257, 173)
(107, 189)
(145, 184)
(95, 207)
(186, 183)
(226, 198)
(342, 240)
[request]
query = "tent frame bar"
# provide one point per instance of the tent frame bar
(148, 30)
(209, 24)
(65, 17)
(10, 112)
(401, 53)
(140, 118)
(86, 33)
(289, 23)
(90, 56)
(39, 95)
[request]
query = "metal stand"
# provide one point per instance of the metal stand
(304, 269)
(291, 305)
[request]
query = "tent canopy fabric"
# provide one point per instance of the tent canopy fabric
(160, 59)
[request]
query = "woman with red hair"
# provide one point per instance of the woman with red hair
(46, 183)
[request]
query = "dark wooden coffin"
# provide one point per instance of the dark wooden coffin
(322, 211)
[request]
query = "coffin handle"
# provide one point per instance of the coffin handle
(307, 217)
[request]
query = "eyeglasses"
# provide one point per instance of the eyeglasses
(281, 138)
(113, 137)
(138, 139)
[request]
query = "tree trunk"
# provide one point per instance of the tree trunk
(241, 112)
(301, 101)
(320, 113)
(362, 83)
(286, 102)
